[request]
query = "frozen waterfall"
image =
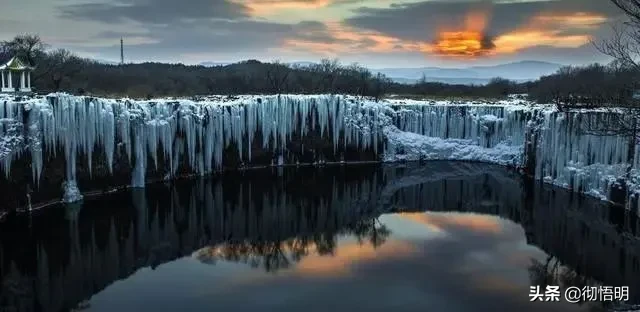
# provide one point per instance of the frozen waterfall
(196, 131)
(174, 137)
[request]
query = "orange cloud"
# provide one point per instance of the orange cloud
(440, 221)
(519, 40)
(267, 7)
(576, 20)
(346, 40)
(462, 44)
(422, 218)
(556, 30)
(471, 39)
(346, 255)
(468, 41)
(313, 264)
(546, 29)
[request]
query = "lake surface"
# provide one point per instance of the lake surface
(440, 236)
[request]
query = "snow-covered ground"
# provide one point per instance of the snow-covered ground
(408, 146)
(201, 128)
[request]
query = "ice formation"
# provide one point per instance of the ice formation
(199, 132)
(487, 133)
(71, 192)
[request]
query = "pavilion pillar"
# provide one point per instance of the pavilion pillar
(22, 81)
(29, 79)
(6, 81)
(10, 81)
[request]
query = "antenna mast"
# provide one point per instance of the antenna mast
(121, 51)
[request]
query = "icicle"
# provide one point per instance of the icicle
(138, 174)
(83, 126)
(71, 192)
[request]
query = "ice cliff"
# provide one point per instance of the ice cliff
(95, 139)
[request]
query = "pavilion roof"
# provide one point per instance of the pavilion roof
(15, 64)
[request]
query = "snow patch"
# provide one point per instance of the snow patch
(71, 192)
(407, 146)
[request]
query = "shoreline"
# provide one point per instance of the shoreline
(95, 194)
(35, 208)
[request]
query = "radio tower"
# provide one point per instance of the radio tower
(121, 52)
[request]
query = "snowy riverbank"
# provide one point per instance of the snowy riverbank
(73, 141)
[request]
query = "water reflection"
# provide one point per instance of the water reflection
(302, 238)
(274, 255)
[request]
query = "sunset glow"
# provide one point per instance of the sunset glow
(347, 255)
(349, 40)
(579, 19)
(313, 264)
(541, 30)
(268, 7)
(461, 44)
(401, 33)
(517, 41)
(470, 41)
(439, 222)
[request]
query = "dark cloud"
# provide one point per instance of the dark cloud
(222, 35)
(173, 28)
(162, 29)
(314, 31)
(109, 34)
(154, 11)
(487, 43)
(330, 3)
(201, 26)
(318, 32)
(215, 37)
(422, 21)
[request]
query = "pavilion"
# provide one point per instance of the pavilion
(15, 65)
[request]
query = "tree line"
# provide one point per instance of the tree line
(594, 85)
(61, 70)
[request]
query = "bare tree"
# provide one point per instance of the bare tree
(329, 70)
(277, 74)
(623, 113)
(27, 47)
(624, 43)
(364, 76)
(630, 7)
(62, 65)
(380, 86)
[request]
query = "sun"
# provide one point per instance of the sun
(466, 44)
(468, 41)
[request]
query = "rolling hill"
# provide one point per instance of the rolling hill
(518, 71)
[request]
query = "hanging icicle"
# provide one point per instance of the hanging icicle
(199, 134)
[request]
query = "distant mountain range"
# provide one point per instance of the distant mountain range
(214, 64)
(518, 71)
(454, 81)
(106, 62)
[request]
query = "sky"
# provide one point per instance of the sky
(374, 33)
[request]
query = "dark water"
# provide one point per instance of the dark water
(443, 236)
